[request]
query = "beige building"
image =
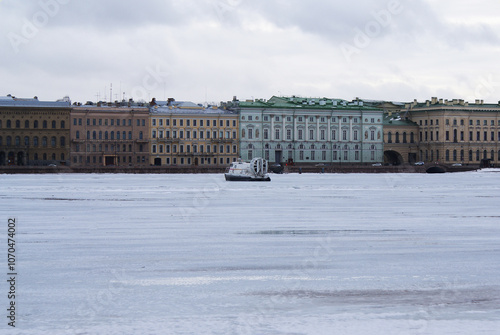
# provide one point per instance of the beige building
(110, 135)
(34, 132)
(455, 131)
(187, 134)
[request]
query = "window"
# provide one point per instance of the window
(35, 124)
(26, 124)
(311, 134)
(300, 134)
(322, 134)
(250, 133)
(277, 132)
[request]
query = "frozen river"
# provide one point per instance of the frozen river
(303, 254)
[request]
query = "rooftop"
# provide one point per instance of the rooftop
(187, 107)
(10, 101)
(294, 102)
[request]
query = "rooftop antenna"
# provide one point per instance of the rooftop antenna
(111, 92)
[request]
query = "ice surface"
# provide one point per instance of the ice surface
(302, 254)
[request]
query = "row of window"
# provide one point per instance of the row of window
(109, 135)
(398, 137)
(35, 142)
(99, 159)
(455, 122)
(193, 135)
(346, 134)
(459, 156)
(307, 118)
(194, 122)
(479, 136)
(338, 154)
(194, 149)
(110, 122)
(36, 124)
(196, 161)
(109, 148)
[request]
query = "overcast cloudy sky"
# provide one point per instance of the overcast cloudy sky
(211, 50)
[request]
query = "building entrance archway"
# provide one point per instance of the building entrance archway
(393, 157)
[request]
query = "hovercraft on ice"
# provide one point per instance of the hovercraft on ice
(256, 170)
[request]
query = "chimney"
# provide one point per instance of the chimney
(477, 101)
(440, 101)
(434, 100)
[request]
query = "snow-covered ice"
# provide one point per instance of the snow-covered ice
(302, 254)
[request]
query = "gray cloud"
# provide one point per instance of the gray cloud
(214, 49)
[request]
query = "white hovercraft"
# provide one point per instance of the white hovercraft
(256, 170)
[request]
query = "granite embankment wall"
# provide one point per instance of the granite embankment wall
(344, 168)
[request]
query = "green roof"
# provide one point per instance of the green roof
(305, 103)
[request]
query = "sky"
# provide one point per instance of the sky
(208, 51)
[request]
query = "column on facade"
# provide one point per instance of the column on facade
(351, 131)
(295, 136)
(272, 128)
(317, 128)
(283, 135)
(306, 135)
(329, 130)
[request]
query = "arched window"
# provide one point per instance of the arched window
(26, 124)
(54, 124)
(397, 137)
(18, 124)
(35, 124)
(9, 141)
(62, 157)
(100, 135)
(404, 138)
(129, 135)
(112, 135)
(63, 124)
(389, 137)
(9, 124)
(412, 137)
(140, 135)
(62, 140)
(44, 141)
(106, 134)
(18, 141)
(35, 141)
(117, 135)
(0, 124)
(94, 135)
(53, 141)
(26, 141)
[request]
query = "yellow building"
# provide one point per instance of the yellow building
(34, 132)
(186, 134)
(455, 131)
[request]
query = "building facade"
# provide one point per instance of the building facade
(34, 132)
(186, 134)
(303, 130)
(109, 135)
(455, 131)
